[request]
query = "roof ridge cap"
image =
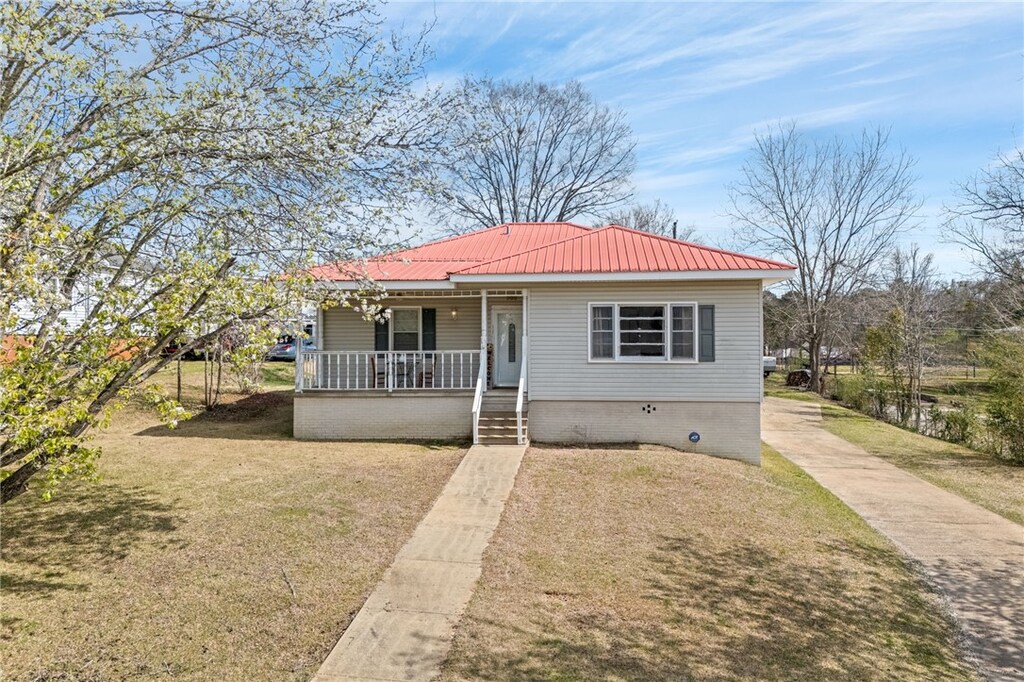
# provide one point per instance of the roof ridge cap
(451, 238)
(589, 232)
(695, 245)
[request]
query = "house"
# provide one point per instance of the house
(550, 331)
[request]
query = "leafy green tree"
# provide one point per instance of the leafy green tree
(1004, 354)
(185, 163)
(885, 350)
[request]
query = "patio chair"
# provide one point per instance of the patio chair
(379, 370)
(426, 374)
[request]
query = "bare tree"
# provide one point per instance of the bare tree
(535, 152)
(656, 217)
(989, 221)
(833, 208)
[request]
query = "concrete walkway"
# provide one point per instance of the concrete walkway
(404, 630)
(974, 557)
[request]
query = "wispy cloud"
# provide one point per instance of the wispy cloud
(697, 79)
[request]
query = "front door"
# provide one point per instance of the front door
(508, 346)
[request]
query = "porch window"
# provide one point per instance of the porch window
(644, 332)
(405, 329)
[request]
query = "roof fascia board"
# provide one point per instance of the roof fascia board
(771, 276)
(421, 285)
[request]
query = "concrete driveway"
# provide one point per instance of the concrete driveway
(973, 557)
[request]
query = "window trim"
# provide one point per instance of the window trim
(419, 329)
(616, 331)
(695, 308)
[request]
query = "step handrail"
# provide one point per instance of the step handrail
(478, 397)
(520, 437)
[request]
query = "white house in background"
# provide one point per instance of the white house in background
(550, 331)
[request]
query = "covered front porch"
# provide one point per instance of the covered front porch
(447, 347)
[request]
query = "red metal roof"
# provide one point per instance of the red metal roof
(435, 260)
(549, 248)
(621, 249)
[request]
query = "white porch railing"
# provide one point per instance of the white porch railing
(520, 436)
(388, 370)
(478, 398)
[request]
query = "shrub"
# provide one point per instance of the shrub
(1006, 420)
(852, 392)
(1005, 355)
(958, 425)
(246, 348)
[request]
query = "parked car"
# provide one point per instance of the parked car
(768, 361)
(284, 349)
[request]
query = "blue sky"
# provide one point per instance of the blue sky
(697, 79)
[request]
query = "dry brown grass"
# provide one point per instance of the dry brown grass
(649, 564)
(178, 564)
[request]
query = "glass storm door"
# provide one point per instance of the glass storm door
(508, 349)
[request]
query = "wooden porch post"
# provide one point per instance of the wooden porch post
(483, 334)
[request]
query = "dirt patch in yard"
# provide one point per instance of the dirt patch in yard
(651, 564)
(220, 550)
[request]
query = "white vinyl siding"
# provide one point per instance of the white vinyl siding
(561, 337)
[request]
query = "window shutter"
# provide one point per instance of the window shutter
(381, 332)
(429, 329)
(706, 329)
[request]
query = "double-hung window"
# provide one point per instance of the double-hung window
(405, 329)
(643, 332)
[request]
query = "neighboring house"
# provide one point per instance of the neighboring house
(564, 333)
(77, 309)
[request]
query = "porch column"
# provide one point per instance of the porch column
(526, 336)
(298, 354)
(483, 334)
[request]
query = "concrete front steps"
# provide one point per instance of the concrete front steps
(498, 418)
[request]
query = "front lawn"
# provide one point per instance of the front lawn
(222, 550)
(650, 564)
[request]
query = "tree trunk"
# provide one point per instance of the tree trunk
(17, 482)
(814, 352)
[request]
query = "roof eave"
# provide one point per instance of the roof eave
(765, 276)
(419, 285)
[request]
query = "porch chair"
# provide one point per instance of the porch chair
(426, 375)
(379, 370)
